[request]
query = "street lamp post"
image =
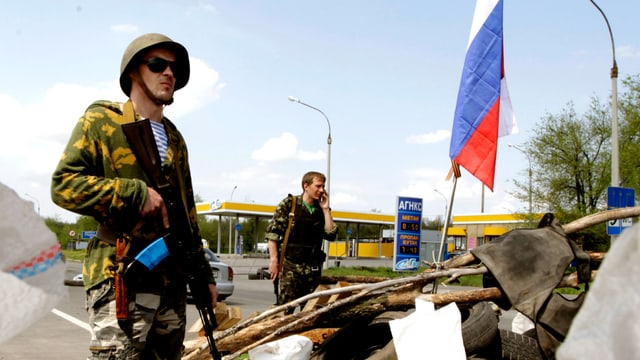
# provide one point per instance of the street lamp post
(615, 174)
(445, 225)
(232, 191)
(291, 98)
(445, 203)
(530, 177)
(36, 200)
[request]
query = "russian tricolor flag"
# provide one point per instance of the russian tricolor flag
(483, 110)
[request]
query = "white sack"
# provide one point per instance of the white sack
(32, 270)
(607, 325)
(429, 333)
(294, 347)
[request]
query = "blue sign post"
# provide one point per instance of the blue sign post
(618, 197)
(406, 252)
(238, 239)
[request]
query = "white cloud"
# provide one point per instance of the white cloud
(283, 148)
(428, 138)
(277, 149)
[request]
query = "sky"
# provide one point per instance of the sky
(384, 73)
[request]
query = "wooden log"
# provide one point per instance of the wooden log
(600, 217)
(467, 296)
(492, 293)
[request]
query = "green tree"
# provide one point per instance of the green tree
(570, 158)
(629, 143)
(571, 161)
(433, 224)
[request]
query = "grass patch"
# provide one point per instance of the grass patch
(380, 271)
(571, 291)
(77, 255)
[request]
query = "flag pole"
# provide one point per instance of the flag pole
(444, 231)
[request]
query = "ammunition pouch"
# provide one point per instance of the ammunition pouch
(319, 257)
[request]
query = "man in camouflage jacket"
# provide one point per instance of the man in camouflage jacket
(99, 176)
(303, 254)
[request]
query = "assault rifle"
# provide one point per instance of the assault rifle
(180, 241)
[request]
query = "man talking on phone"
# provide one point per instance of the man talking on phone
(295, 247)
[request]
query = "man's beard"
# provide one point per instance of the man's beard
(159, 99)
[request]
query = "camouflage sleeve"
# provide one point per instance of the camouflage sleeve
(278, 224)
(331, 235)
(97, 175)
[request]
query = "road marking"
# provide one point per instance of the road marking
(72, 319)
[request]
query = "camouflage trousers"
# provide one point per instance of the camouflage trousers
(297, 280)
(156, 328)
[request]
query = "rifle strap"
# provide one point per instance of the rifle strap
(287, 232)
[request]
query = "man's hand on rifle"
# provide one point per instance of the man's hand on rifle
(214, 295)
(273, 259)
(154, 205)
(273, 267)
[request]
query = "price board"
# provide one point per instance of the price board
(406, 254)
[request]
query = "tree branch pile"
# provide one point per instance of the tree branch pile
(366, 300)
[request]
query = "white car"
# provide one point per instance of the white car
(223, 274)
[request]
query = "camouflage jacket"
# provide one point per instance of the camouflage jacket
(307, 228)
(99, 176)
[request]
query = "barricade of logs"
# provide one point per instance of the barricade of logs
(332, 308)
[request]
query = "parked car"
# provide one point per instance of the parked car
(223, 274)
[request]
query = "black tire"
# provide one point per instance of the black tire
(513, 346)
(519, 347)
(357, 340)
(479, 327)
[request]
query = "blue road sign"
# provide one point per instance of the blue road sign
(619, 197)
(88, 234)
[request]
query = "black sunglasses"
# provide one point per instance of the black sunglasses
(158, 65)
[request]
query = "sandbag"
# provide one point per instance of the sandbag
(437, 333)
(607, 326)
(32, 275)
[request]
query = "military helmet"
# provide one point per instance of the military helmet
(132, 57)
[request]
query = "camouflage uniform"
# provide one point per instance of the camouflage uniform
(99, 176)
(302, 265)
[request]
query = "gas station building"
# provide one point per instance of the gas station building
(466, 231)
